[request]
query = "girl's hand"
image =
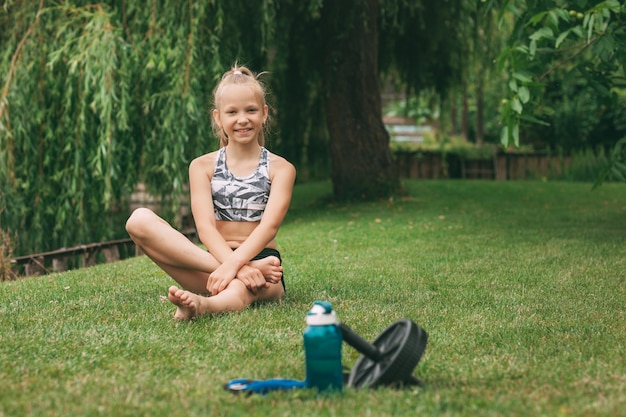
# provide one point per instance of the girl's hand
(220, 278)
(252, 278)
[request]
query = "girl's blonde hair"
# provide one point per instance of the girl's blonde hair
(239, 75)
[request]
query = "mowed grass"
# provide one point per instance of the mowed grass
(521, 287)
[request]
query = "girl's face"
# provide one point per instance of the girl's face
(240, 114)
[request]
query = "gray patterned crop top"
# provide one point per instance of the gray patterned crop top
(240, 199)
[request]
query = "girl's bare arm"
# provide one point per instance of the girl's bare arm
(200, 172)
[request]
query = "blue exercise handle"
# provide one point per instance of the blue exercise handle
(254, 386)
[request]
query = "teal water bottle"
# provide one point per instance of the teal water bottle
(322, 348)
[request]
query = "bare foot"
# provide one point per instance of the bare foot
(187, 303)
(270, 267)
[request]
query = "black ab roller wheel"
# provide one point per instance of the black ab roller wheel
(390, 359)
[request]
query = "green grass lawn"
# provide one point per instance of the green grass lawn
(520, 285)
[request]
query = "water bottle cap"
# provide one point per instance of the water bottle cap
(321, 314)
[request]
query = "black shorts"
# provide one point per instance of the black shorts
(271, 252)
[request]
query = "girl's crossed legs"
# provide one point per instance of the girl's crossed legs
(190, 266)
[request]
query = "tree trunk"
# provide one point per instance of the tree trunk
(362, 164)
(453, 114)
(465, 116)
(480, 129)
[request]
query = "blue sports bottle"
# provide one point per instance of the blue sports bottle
(322, 348)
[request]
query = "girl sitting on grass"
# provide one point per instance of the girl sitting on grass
(239, 197)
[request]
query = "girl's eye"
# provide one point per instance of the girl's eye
(252, 110)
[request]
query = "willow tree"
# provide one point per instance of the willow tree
(97, 96)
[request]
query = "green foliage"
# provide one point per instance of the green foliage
(447, 145)
(423, 43)
(615, 167)
(303, 136)
(419, 107)
(526, 299)
(585, 165)
(567, 71)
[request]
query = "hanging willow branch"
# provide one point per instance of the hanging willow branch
(6, 127)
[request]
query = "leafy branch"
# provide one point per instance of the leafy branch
(567, 59)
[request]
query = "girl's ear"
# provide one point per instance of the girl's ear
(216, 117)
(265, 112)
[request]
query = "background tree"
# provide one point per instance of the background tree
(465, 105)
(362, 165)
(485, 82)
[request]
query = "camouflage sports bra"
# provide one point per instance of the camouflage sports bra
(240, 199)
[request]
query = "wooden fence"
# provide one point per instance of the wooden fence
(499, 166)
(87, 255)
